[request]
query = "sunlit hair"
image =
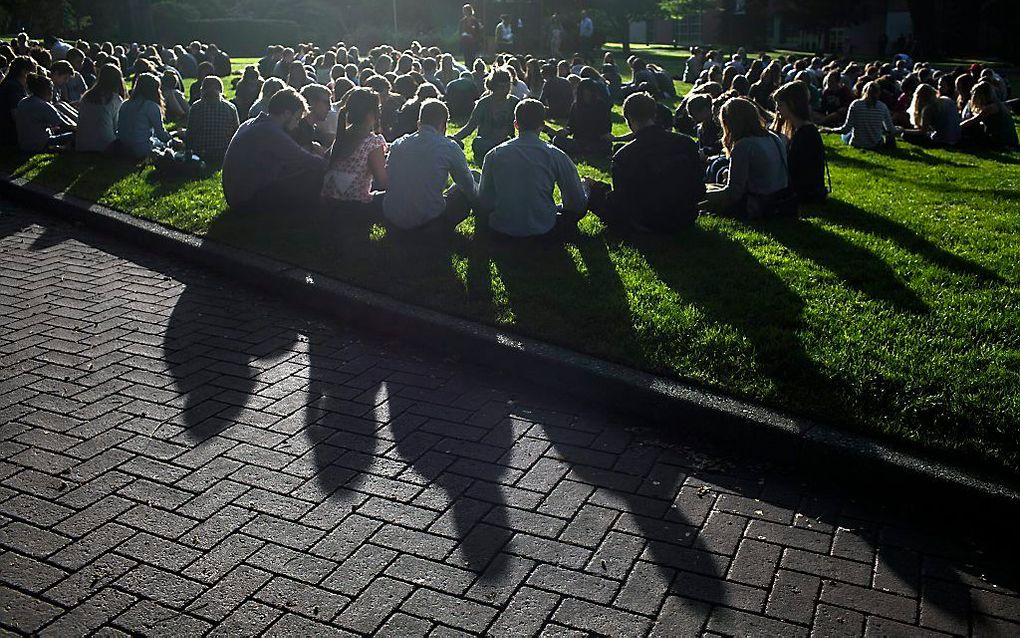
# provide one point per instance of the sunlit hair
(797, 97)
(147, 88)
(982, 96)
(498, 76)
(870, 93)
(740, 118)
(351, 130)
(109, 83)
(924, 96)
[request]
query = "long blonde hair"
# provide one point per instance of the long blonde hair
(982, 96)
(740, 118)
(924, 96)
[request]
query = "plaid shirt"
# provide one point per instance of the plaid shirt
(211, 124)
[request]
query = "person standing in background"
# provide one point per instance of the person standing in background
(470, 35)
(586, 31)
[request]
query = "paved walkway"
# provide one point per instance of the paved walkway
(181, 457)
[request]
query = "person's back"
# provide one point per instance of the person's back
(97, 124)
(945, 121)
(418, 167)
(34, 118)
(806, 161)
(867, 123)
(11, 94)
(259, 155)
(212, 123)
(659, 178)
(558, 96)
(137, 122)
(461, 95)
(518, 178)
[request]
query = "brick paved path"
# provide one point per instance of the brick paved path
(181, 457)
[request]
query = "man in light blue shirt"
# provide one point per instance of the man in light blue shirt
(419, 167)
(518, 178)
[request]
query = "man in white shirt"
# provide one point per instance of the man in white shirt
(419, 166)
(518, 178)
(586, 31)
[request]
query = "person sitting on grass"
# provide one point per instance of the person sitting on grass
(590, 126)
(212, 123)
(493, 115)
(557, 94)
(98, 111)
(41, 127)
(68, 85)
(461, 95)
(175, 107)
(308, 134)
(757, 162)
(805, 149)
(642, 79)
(990, 123)
(408, 115)
(418, 169)
(13, 90)
(247, 90)
(934, 119)
(269, 88)
(357, 159)
(140, 121)
(657, 178)
(264, 169)
(868, 121)
(518, 178)
(204, 69)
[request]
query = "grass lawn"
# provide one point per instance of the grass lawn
(893, 309)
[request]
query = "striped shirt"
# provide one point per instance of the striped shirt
(866, 125)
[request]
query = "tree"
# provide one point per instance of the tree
(618, 14)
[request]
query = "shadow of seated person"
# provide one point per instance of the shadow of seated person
(518, 180)
(657, 178)
(264, 169)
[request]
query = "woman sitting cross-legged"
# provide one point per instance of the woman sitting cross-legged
(493, 115)
(806, 151)
(868, 121)
(140, 121)
(590, 126)
(357, 158)
(757, 169)
(990, 122)
(935, 120)
(98, 111)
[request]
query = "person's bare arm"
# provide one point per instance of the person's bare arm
(377, 165)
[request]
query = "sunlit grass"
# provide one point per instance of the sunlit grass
(893, 309)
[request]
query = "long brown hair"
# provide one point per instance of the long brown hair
(357, 105)
(924, 96)
(797, 97)
(982, 96)
(147, 88)
(740, 118)
(109, 83)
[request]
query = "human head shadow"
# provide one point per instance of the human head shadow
(850, 216)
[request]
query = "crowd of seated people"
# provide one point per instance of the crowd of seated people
(372, 134)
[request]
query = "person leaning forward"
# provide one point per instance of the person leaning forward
(264, 168)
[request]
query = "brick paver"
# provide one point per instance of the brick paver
(184, 456)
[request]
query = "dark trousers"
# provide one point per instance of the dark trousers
(298, 193)
(564, 230)
(580, 147)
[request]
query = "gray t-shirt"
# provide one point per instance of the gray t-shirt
(34, 118)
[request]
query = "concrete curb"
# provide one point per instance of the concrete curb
(752, 429)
